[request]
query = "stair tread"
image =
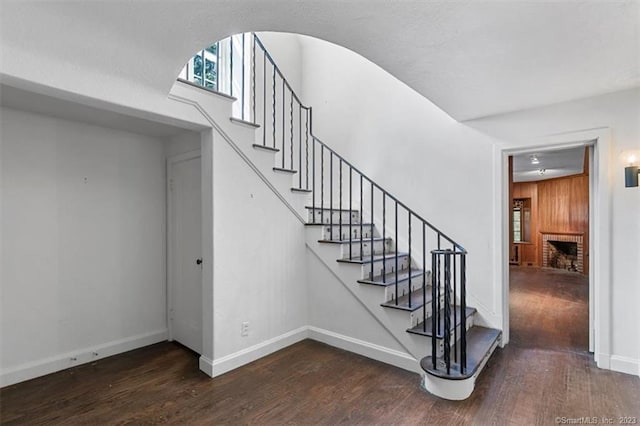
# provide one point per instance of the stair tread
(390, 278)
(426, 331)
(332, 209)
(376, 258)
(244, 122)
(354, 240)
(268, 148)
(416, 300)
(480, 341)
(280, 169)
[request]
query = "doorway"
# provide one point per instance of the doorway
(548, 211)
(184, 288)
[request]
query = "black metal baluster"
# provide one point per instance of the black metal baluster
(447, 312)
(371, 248)
(313, 180)
(273, 104)
(306, 145)
(253, 79)
(331, 190)
(409, 214)
(463, 308)
(384, 236)
(396, 256)
(361, 218)
(242, 81)
(424, 277)
(434, 340)
(350, 211)
(439, 296)
(455, 311)
(340, 204)
(299, 145)
(439, 290)
(322, 185)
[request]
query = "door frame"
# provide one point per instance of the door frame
(171, 162)
(599, 230)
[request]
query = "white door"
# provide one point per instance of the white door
(185, 251)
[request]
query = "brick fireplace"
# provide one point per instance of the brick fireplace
(550, 253)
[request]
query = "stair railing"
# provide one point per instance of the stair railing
(268, 99)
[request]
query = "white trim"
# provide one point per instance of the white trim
(245, 356)
(600, 224)
(206, 365)
(624, 364)
(171, 162)
(367, 349)
(55, 363)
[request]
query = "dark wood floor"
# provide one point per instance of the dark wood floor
(543, 374)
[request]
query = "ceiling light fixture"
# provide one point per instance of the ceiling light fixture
(534, 160)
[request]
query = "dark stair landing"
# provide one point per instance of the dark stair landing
(479, 342)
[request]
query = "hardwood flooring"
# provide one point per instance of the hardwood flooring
(543, 374)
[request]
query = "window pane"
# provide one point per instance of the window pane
(210, 71)
(197, 66)
(516, 226)
(213, 48)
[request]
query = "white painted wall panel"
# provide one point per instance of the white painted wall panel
(83, 232)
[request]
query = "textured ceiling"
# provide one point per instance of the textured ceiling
(551, 164)
(472, 59)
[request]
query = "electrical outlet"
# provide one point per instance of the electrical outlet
(244, 330)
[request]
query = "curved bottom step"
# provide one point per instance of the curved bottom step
(454, 385)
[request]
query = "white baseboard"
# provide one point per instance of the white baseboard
(245, 356)
(206, 365)
(55, 363)
(624, 364)
(367, 349)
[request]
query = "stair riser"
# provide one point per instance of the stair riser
(403, 288)
(327, 216)
(333, 232)
(403, 263)
(417, 316)
(366, 248)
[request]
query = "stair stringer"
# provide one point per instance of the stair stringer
(393, 321)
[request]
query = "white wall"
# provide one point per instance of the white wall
(83, 236)
(440, 168)
(259, 258)
(620, 112)
(184, 142)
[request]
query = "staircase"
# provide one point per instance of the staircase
(408, 274)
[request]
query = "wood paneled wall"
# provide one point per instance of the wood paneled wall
(558, 205)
